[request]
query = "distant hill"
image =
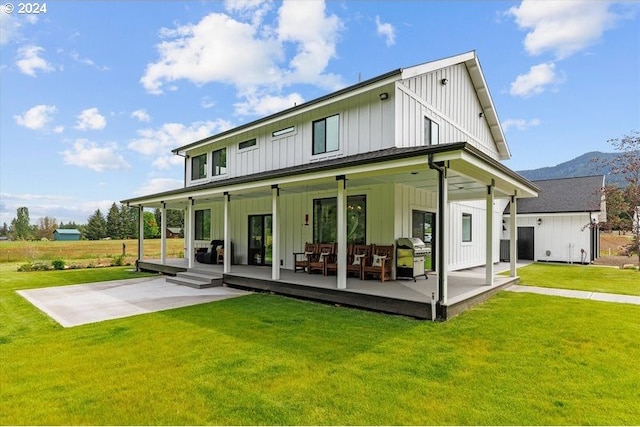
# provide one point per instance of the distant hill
(583, 165)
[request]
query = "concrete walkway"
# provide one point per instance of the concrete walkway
(88, 303)
(568, 293)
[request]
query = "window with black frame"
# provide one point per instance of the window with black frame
(199, 167)
(326, 134)
(202, 224)
(325, 220)
(219, 161)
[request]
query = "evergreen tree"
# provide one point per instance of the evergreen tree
(20, 224)
(4, 231)
(129, 221)
(96, 226)
(114, 223)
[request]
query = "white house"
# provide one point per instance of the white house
(414, 152)
(562, 223)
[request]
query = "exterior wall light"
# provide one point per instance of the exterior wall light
(444, 82)
(384, 96)
(539, 221)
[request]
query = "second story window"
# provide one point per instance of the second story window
(326, 135)
(199, 167)
(219, 161)
(431, 132)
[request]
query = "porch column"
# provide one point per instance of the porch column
(275, 232)
(489, 235)
(163, 233)
(226, 262)
(141, 233)
(513, 235)
(190, 233)
(341, 208)
(442, 254)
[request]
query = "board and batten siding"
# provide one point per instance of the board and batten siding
(366, 124)
(560, 237)
(454, 106)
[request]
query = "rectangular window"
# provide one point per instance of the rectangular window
(247, 144)
(203, 224)
(325, 220)
(326, 135)
(431, 132)
(219, 160)
(283, 131)
(466, 227)
(199, 167)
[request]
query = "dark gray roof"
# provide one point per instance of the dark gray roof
(373, 157)
(580, 194)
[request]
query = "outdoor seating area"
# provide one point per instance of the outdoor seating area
(212, 255)
(363, 261)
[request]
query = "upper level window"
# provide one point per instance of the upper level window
(431, 132)
(283, 131)
(247, 144)
(326, 135)
(219, 161)
(466, 227)
(199, 167)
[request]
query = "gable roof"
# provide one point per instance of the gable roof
(470, 60)
(580, 194)
(66, 231)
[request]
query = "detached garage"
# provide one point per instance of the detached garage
(66, 234)
(561, 224)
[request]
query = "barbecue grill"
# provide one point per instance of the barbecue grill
(410, 255)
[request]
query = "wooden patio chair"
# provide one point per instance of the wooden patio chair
(301, 259)
(332, 261)
(318, 261)
(380, 263)
(355, 261)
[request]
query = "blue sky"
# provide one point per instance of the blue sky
(94, 95)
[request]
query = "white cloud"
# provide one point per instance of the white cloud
(91, 119)
(248, 54)
(88, 154)
(36, 117)
(562, 27)
(264, 105)
(141, 115)
(386, 30)
(86, 61)
(61, 207)
(158, 185)
(316, 35)
(173, 135)
(206, 102)
(29, 60)
(9, 28)
(536, 80)
(519, 124)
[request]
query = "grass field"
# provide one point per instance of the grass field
(581, 277)
(517, 359)
(85, 251)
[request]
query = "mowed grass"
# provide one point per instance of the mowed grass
(267, 360)
(581, 277)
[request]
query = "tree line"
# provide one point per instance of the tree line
(121, 222)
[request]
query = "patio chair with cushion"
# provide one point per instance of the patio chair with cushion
(318, 261)
(355, 261)
(301, 259)
(332, 261)
(380, 263)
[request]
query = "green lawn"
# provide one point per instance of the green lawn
(517, 359)
(581, 277)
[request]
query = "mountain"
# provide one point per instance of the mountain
(593, 163)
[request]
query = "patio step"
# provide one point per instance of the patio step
(196, 279)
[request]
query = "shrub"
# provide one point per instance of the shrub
(117, 260)
(35, 266)
(58, 264)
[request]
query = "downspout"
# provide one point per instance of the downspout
(441, 264)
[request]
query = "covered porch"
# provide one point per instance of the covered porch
(404, 297)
